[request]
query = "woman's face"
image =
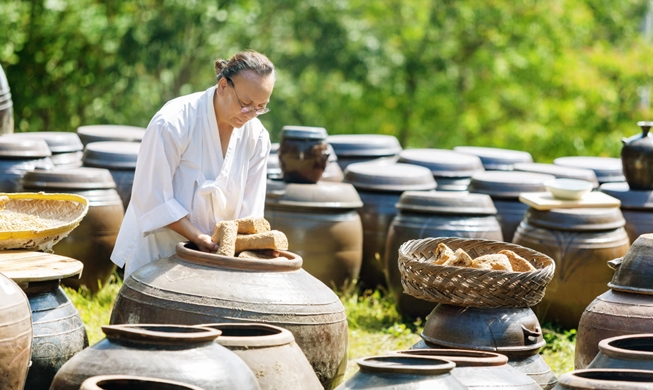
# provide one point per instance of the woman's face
(241, 93)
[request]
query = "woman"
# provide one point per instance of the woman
(202, 160)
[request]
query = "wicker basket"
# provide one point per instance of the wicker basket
(472, 287)
(64, 211)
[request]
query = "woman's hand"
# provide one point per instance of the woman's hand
(194, 235)
(204, 243)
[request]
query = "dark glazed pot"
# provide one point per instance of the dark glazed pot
(634, 271)
(496, 159)
(187, 354)
(480, 369)
(354, 148)
(606, 379)
(559, 172)
(6, 106)
(611, 314)
(633, 352)
(399, 372)
(194, 287)
(15, 335)
(271, 353)
(451, 170)
(19, 156)
(303, 153)
(637, 158)
(434, 214)
(636, 207)
(101, 133)
(131, 382)
(606, 169)
(379, 187)
(120, 159)
(93, 240)
(66, 147)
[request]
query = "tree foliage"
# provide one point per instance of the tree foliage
(561, 77)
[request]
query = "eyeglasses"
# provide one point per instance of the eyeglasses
(247, 109)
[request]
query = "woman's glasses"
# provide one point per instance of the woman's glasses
(247, 109)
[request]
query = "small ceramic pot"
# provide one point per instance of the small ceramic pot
(637, 158)
(303, 153)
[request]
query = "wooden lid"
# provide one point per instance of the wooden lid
(23, 266)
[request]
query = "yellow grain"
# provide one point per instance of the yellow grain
(12, 221)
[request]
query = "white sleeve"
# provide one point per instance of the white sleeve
(254, 196)
(153, 197)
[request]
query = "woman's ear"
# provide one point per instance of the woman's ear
(222, 85)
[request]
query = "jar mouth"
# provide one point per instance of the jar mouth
(116, 382)
(462, 358)
(638, 346)
(245, 336)
(160, 333)
(404, 364)
(287, 261)
(602, 378)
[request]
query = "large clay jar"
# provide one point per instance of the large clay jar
(93, 240)
(380, 189)
(332, 172)
(399, 372)
(480, 369)
(132, 382)
(451, 170)
(580, 241)
(504, 189)
(606, 169)
(15, 335)
(119, 133)
(633, 352)
(120, 159)
(6, 105)
(514, 332)
(434, 214)
(187, 354)
(636, 207)
(559, 171)
(303, 153)
(271, 353)
(193, 287)
(606, 379)
(637, 158)
(322, 225)
(19, 156)
(353, 148)
(66, 147)
(496, 159)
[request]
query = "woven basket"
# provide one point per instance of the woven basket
(64, 210)
(472, 287)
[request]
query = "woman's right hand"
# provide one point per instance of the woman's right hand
(194, 235)
(204, 243)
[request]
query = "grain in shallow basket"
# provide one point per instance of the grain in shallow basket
(38, 220)
(472, 287)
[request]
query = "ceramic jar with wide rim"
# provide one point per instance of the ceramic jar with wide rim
(193, 287)
(101, 133)
(434, 214)
(606, 379)
(559, 171)
(18, 156)
(6, 105)
(15, 335)
(322, 225)
(303, 153)
(607, 169)
(504, 189)
(633, 352)
(380, 189)
(66, 147)
(403, 372)
(353, 148)
(496, 159)
(580, 241)
(120, 159)
(637, 158)
(451, 170)
(187, 354)
(636, 207)
(131, 382)
(271, 353)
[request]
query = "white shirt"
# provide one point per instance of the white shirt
(181, 171)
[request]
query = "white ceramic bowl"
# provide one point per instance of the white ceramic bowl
(568, 189)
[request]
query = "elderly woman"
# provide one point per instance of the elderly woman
(202, 160)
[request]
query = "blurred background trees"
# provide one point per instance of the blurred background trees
(557, 77)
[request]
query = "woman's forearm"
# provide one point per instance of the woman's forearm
(194, 235)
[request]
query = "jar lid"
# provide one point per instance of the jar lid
(607, 169)
(111, 154)
(322, 194)
(559, 171)
(633, 271)
(72, 179)
(98, 133)
(578, 219)
(71, 160)
(434, 202)
(495, 158)
(443, 162)
(390, 177)
(11, 147)
(364, 145)
(630, 199)
(304, 132)
(58, 141)
(504, 184)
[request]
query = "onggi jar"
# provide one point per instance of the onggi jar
(496, 159)
(451, 170)
(353, 148)
(303, 153)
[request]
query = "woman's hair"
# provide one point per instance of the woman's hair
(245, 60)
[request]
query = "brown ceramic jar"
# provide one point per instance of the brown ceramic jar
(101, 133)
(15, 335)
(303, 153)
(451, 170)
(354, 148)
(633, 352)
(636, 207)
(606, 379)
(496, 159)
(637, 158)
(6, 105)
(193, 287)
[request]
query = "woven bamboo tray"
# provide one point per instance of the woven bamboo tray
(472, 287)
(62, 212)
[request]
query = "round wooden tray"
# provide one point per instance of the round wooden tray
(24, 266)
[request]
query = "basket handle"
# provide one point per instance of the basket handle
(531, 336)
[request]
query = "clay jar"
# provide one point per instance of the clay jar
(606, 169)
(6, 105)
(303, 153)
(637, 158)
(185, 354)
(131, 382)
(379, 187)
(19, 156)
(434, 214)
(451, 170)
(354, 148)
(496, 159)
(632, 352)
(480, 369)
(580, 241)
(66, 147)
(15, 335)
(271, 353)
(193, 287)
(100, 133)
(606, 379)
(636, 207)
(399, 372)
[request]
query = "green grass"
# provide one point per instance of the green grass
(375, 326)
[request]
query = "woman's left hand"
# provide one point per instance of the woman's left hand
(204, 243)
